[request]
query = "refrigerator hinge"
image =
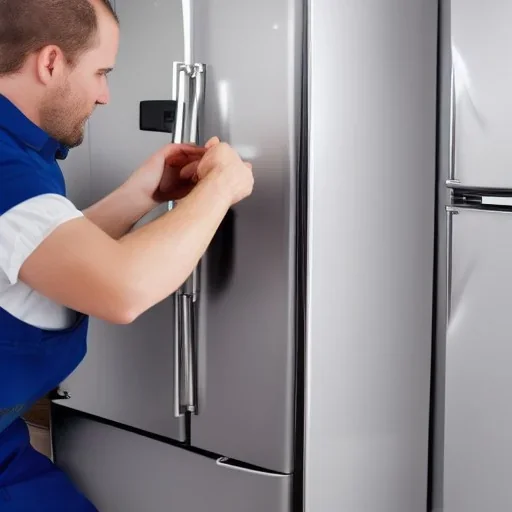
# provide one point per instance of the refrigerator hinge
(58, 394)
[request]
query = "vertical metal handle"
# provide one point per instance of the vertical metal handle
(188, 80)
(178, 94)
(177, 358)
(197, 74)
(450, 212)
(187, 313)
(453, 121)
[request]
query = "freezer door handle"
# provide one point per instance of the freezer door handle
(225, 462)
(189, 94)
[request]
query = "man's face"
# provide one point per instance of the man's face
(69, 103)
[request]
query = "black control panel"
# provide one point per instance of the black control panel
(158, 115)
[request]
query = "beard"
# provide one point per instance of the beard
(63, 118)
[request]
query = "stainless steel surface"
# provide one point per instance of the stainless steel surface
(373, 80)
(481, 40)
(121, 471)
(246, 349)
(478, 412)
(128, 373)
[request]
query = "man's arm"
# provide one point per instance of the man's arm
(80, 266)
(156, 181)
(117, 213)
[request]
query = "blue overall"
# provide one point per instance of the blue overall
(33, 361)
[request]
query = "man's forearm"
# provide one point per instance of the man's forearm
(163, 253)
(117, 213)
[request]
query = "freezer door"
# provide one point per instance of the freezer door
(128, 373)
(478, 405)
(246, 339)
(121, 471)
(482, 72)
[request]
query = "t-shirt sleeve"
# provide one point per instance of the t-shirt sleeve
(24, 226)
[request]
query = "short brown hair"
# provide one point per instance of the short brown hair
(27, 26)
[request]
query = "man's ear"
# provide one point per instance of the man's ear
(51, 64)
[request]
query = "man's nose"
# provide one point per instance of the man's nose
(104, 97)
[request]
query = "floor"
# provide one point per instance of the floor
(38, 420)
(40, 439)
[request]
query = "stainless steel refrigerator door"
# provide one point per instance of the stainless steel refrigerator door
(128, 373)
(246, 335)
(372, 181)
(478, 406)
(121, 471)
(481, 42)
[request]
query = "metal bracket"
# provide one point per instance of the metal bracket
(59, 394)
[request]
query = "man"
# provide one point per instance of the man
(59, 265)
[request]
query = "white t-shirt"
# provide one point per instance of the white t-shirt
(22, 229)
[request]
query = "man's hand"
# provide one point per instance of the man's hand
(160, 178)
(168, 175)
(224, 166)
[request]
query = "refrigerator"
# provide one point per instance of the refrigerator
(292, 370)
(473, 419)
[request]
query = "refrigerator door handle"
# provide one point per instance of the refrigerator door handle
(178, 92)
(450, 212)
(178, 410)
(187, 323)
(178, 95)
(188, 82)
(453, 120)
(196, 74)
